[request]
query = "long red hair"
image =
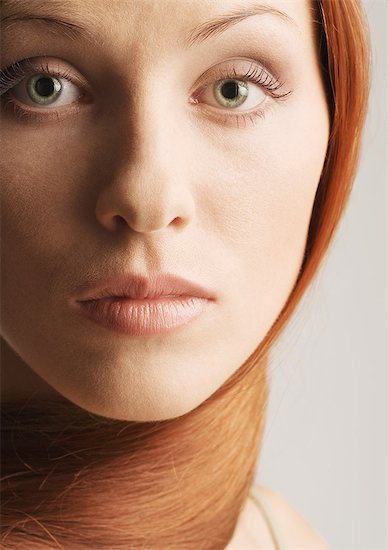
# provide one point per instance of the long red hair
(74, 480)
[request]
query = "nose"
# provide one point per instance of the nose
(149, 189)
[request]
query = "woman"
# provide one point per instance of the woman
(172, 175)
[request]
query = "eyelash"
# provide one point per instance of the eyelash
(255, 74)
(14, 74)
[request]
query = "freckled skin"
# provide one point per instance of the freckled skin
(221, 203)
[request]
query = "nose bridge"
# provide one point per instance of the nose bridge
(149, 115)
(156, 131)
(149, 191)
(152, 153)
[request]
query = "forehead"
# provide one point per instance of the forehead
(181, 23)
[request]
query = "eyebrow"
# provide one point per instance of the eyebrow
(219, 24)
(72, 24)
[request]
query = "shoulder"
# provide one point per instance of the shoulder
(296, 532)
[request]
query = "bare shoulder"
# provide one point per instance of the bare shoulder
(297, 532)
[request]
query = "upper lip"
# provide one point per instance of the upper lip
(143, 287)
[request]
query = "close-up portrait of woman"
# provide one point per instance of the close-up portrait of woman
(173, 173)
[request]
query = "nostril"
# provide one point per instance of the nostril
(119, 220)
(178, 221)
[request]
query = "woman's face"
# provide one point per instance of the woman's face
(158, 144)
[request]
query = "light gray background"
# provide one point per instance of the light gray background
(325, 444)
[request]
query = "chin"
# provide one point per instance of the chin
(139, 410)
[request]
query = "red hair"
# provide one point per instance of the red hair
(74, 480)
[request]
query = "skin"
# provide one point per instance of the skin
(221, 202)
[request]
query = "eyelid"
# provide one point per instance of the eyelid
(53, 66)
(13, 75)
(218, 70)
(254, 73)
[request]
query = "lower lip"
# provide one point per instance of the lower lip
(144, 317)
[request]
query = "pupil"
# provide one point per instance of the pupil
(230, 89)
(44, 86)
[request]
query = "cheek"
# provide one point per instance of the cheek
(39, 188)
(265, 204)
(281, 207)
(39, 205)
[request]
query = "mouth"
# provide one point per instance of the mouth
(139, 306)
(141, 287)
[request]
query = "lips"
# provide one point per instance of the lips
(140, 287)
(140, 306)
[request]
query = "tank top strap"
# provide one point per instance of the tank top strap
(267, 510)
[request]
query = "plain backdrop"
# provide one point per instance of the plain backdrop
(325, 443)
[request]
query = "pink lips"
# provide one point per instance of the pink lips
(141, 306)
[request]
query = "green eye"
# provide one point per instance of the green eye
(43, 89)
(231, 93)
